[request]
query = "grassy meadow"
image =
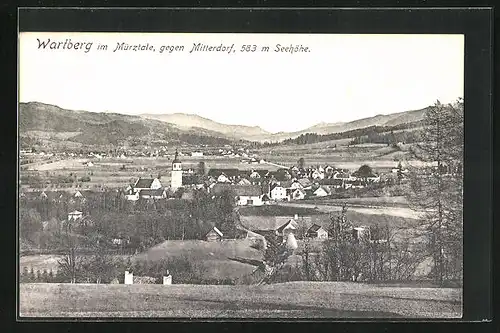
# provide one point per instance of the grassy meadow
(286, 300)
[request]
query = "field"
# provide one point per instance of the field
(211, 257)
(287, 300)
(379, 156)
(367, 202)
(110, 172)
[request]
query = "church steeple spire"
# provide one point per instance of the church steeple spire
(176, 158)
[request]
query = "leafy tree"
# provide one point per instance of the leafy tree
(364, 171)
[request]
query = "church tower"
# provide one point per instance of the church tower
(176, 172)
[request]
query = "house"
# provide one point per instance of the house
(75, 215)
(297, 194)
(213, 235)
(153, 194)
(245, 195)
(279, 193)
(147, 184)
(224, 175)
(317, 232)
(197, 154)
(89, 164)
(248, 195)
(289, 227)
(321, 191)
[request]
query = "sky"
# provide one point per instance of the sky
(341, 78)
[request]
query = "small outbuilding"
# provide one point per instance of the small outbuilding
(214, 235)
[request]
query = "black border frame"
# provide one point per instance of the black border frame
(475, 23)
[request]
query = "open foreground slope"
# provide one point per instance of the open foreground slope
(287, 300)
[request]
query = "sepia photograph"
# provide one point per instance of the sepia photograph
(240, 175)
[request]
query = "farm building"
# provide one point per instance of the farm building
(147, 184)
(317, 232)
(213, 235)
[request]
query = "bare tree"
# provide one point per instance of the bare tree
(437, 188)
(70, 265)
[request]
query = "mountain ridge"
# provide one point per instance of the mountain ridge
(117, 127)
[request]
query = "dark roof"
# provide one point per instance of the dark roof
(144, 183)
(227, 172)
(287, 183)
(290, 222)
(327, 190)
(314, 228)
(247, 190)
(304, 182)
(155, 193)
(219, 188)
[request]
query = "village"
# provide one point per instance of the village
(249, 188)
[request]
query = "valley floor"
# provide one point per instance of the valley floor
(286, 300)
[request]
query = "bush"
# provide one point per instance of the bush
(84, 179)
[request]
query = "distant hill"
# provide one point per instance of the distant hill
(329, 128)
(49, 122)
(189, 121)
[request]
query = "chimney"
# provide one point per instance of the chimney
(296, 217)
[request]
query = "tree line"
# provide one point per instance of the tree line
(372, 134)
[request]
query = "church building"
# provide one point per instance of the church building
(176, 172)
